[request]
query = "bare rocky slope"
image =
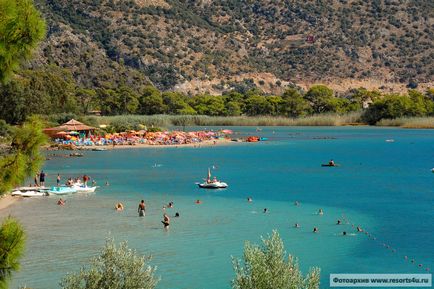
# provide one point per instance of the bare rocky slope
(208, 45)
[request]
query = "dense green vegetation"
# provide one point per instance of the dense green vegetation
(269, 266)
(117, 267)
(53, 90)
(21, 30)
(12, 241)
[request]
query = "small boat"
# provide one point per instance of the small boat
(84, 189)
(30, 192)
(75, 155)
(263, 138)
(329, 165)
(62, 191)
(252, 139)
(390, 140)
(212, 184)
(99, 149)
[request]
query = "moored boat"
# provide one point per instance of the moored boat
(84, 189)
(62, 191)
(212, 183)
(30, 192)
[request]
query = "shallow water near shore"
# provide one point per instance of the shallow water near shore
(385, 187)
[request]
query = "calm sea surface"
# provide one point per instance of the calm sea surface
(385, 187)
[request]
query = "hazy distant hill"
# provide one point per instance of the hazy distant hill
(208, 45)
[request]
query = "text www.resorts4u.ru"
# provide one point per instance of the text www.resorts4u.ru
(380, 280)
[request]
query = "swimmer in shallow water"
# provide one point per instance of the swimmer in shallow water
(166, 221)
(61, 202)
(265, 210)
(297, 225)
(297, 203)
(320, 212)
(315, 229)
(338, 222)
(344, 233)
(359, 229)
(177, 215)
(198, 202)
(119, 207)
(249, 199)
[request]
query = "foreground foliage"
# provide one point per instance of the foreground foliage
(115, 268)
(21, 30)
(12, 241)
(267, 266)
(22, 158)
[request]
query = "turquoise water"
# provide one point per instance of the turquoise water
(386, 187)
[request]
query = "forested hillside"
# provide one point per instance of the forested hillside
(197, 46)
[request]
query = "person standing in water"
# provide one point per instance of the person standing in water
(141, 209)
(166, 221)
(58, 180)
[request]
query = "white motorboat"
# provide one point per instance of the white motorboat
(212, 183)
(30, 192)
(83, 189)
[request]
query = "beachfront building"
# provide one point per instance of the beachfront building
(71, 127)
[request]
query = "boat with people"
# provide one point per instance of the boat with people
(30, 192)
(83, 189)
(62, 191)
(212, 183)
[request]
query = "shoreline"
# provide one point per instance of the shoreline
(7, 200)
(207, 143)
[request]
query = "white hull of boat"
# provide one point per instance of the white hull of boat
(215, 185)
(61, 191)
(80, 189)
(29, 194)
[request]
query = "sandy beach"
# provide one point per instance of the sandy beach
(7, 200)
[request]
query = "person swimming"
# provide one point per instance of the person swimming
(315, 229)
(297, 225)
(170, 205)
(119, 207)
(61, 202)
(265, 210)
(107, 183)
(359, 229)
(177, 215)
(166, 221)
(332, 163)
(249, 199)
(320, 212)
(141, 209)
(198, 202)
(297, 203)
(338, 222)
(344, 233)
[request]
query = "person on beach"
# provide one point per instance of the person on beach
(166, 221)
(58, 180)
(61, 202)
(141, 209)
(315, 229)
(42, 176)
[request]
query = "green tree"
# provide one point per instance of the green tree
(293, 104)
(267, 266)
(390, 106)
(151, 101)
(23, 158)
(321, 98)
(86, 98)
(233, 108)
(209, 105)
(115, 268)
(12, 242)
(21, 30)
(177, 104)
(258, 105)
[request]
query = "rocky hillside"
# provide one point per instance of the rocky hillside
(209, 45)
